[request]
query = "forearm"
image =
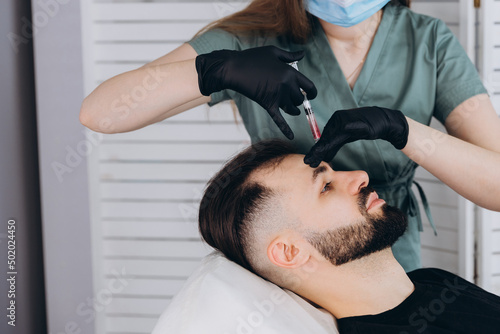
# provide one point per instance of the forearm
(134, 99)
(470, 170)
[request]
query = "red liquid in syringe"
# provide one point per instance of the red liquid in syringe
(311, 119)
(314, 127)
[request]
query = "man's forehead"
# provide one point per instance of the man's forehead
(291, 167)
(293, 162)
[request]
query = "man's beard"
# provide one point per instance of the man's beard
(374, 233)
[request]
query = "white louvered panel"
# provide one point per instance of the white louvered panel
(495, 99)
(158, 171)
(137, 52)
(152, 191)
(183, 211)
(155, 248)
(496, 57)
(184, 133)
(158, 267)
(495, 284)
(445, 10)
(148, 32)
(448, 11)
(488, 275)
(436, 193)
(495, 235)
(151, 229)
(141, 307)
(162, 151)
(495, 264)
(125, 324)
(494, 261)
(444, 217)
(491, 52)
(495, 225)
(488, 245)
(446, 240)
(443, 203)
(151, 287)
(495, 31)
(439, 259)
(193, 10)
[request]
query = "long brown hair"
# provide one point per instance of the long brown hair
(272, 17)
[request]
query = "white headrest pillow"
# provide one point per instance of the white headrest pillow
(221, 297)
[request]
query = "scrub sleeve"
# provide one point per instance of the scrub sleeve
(415, 65)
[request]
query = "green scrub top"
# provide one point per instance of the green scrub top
(415, 65)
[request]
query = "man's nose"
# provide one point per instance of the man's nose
(356, 180)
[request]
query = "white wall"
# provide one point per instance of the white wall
(63, 172)
(19, 183)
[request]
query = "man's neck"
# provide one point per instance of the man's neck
(371, 285)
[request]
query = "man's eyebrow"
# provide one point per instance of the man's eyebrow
(317, 171)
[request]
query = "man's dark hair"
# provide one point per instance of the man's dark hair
(230, 200)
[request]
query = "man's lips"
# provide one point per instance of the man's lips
(373, 201)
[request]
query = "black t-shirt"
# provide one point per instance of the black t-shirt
(442, 303)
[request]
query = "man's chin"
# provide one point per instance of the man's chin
(396, 217)
(379, 231)
(380, 212)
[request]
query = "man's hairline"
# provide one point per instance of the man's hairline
(268, 167)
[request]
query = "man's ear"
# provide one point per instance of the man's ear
(286, 253)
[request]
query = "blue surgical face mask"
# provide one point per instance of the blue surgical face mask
(344, 13)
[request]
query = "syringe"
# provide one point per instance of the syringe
(309, 112)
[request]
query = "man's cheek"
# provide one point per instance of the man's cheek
(346, 213)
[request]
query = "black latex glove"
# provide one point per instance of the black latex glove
(346, 126)
(261, 74)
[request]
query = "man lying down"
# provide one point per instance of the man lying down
(326, 236)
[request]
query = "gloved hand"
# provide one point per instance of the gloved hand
(261, 74)
(346, 126)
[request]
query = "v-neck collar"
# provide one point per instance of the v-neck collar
(332, 67)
